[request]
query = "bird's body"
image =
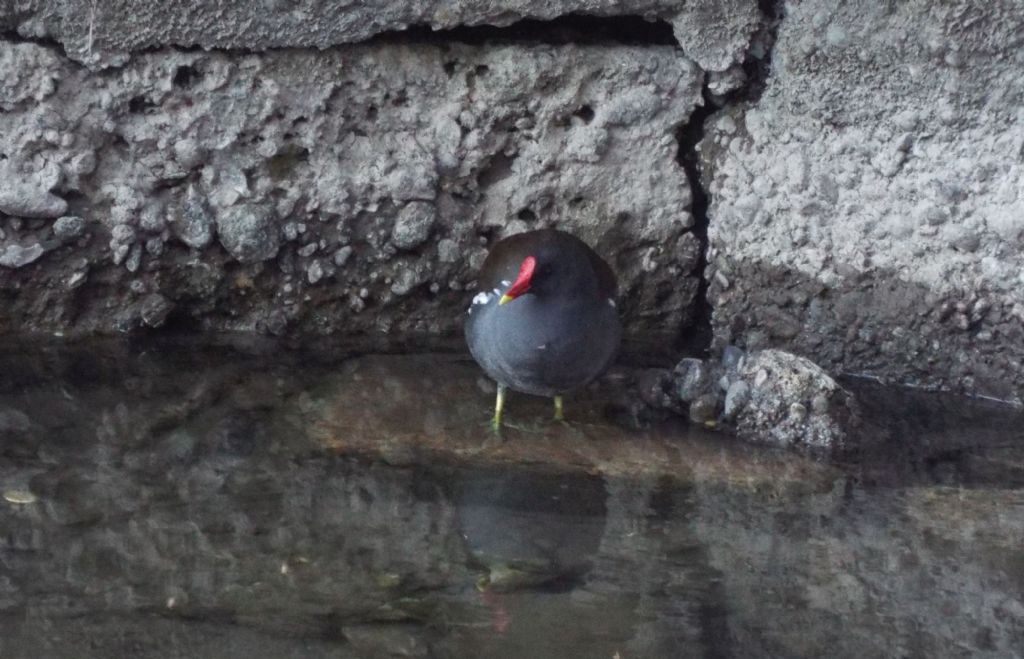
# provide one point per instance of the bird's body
(531, 351)
(544, 321)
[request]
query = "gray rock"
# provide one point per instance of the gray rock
(68, 228)
(134, 259)
(342, 256)
(716, 33)
(120, 252)
(789, 401)
(155, 246)
(721, 83)
(655, 386)
(122, 234)
(315, 272)
(152, 219)
(736, 398)
(448, 251)
(731, 358)
(413, 225)
(17, 256)
(25, 200)
(154, 310)
(407, 280)
(704, 409)
(248, 233)
(193, 225)
(693, 377)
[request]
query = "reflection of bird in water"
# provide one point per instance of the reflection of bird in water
(544, 321)
(501, 618)
(528, 531)
(530, 528)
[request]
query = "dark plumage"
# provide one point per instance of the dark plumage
(557, 328)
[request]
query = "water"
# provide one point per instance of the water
(236, 500)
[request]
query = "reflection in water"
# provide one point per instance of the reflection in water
(226, 501)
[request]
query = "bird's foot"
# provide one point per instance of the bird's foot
(559, 417)
(493, 431)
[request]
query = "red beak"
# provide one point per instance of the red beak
(522, 283)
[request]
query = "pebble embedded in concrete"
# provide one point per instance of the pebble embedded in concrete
(194, 223)
(413, 225)
(68, 228)
(18, 256)
(22, 199)
(248, 233)
(315, 272)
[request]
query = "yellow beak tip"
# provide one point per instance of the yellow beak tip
(505, 299)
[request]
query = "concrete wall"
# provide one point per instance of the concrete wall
(317, 166)
(868, 209)
(354, 189)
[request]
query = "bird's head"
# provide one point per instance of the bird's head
(524, 280)
(546, 273)
(551, 265)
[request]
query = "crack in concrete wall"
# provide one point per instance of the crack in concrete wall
(722, 92)
(696, 338)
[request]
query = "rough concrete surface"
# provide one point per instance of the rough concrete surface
(868, 210)
(714, 33)
(352, 189)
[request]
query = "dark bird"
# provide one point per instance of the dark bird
(544, 321)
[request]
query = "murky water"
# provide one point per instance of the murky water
(230, 500)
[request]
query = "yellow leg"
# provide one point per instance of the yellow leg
(559, 413)
(499, 408)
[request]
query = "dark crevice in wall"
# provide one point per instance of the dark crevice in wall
(12, 36)
(578, 29)
(696, 339)
(758, 63)
(563, 30)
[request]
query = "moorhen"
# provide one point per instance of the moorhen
(544, 320)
